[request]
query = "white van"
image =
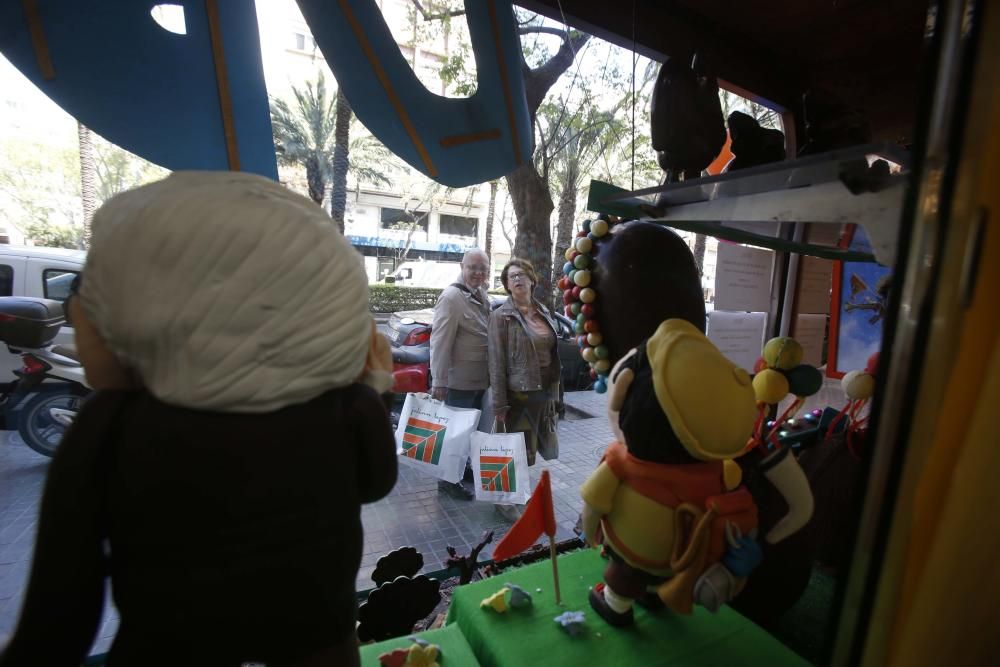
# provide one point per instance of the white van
(429, 273)
(37, 272)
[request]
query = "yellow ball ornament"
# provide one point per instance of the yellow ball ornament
(594, 339)
(584, 245)
(782, 352)
(569, 253)
(588, 295)
(582, 278)
(598, 228)
(589, 355)
(770, 386)
(858, 385)
(602, 365)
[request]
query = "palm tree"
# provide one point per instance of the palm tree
(304, 133)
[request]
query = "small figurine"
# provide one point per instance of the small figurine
(666, 500)
(518, 596)
(419, 654)
(497, 602)
(573, 622)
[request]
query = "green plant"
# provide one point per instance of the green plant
(395, 298)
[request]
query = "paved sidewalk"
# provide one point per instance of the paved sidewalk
(414, 514)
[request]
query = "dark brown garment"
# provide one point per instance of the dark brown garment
(233, 537)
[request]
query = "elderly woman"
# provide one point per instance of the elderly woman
(459, 367)
(524, 363)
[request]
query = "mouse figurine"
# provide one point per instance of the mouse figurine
(666, 500)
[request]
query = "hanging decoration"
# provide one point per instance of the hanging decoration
(859, 386)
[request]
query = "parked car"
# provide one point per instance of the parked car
(409, 333)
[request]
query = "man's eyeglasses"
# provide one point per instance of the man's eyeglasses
(479, 268)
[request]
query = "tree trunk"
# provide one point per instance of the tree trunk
(529, 190)
(314, 180)
(490, 212)
(88, 178)
(533, 209)
(341, 160)
(567, 211)
(699, 253)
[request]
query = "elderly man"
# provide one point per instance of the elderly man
(459, 362)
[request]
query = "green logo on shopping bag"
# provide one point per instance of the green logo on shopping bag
(496, 473)
(423, 440)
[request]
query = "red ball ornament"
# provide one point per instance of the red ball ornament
(593, 374)
(759, 365)
(591, 326)
(587, 310)
(576, 292)
(580, 235)
(568, 297)
(872, 366)
(581, 340)
(573, 255)
(564, 283)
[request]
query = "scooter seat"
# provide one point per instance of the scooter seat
(66, 351)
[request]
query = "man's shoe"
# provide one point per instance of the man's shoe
(457, 490)
(607, 613)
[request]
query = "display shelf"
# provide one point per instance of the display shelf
(833, 188)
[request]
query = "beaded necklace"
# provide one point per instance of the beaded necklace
(580, 296)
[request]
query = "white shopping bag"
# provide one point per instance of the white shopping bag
(433, 437)
(500, 467)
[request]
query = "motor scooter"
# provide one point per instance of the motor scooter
(51, 386)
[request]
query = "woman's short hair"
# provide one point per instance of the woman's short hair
(525, 266)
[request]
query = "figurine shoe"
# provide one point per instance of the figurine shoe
(618, 620)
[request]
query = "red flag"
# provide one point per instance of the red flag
(539, 517)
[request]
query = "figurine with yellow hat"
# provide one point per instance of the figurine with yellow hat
(666, 500)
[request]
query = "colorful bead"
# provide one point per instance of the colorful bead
(600, 386)
(589, 355)
(602, 365)
(581, 261)
(578, 328)
(587, 295)
(567, 267)
(592, 326)
(602, 351)
(584, 245)
(576, 292)
(588, 310)
(595, 339)
(582, 278)
(575, 308)
(568, 297)
(599, 228)
(568, 253)
(586, 225)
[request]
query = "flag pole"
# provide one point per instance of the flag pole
(555, 567)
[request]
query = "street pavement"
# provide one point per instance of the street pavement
(413, 514)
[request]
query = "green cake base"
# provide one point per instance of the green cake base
(525, 637)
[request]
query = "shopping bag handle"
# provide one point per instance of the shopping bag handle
(502, 425)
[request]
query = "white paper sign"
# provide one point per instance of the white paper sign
(815, 279)
(739, 336)
(809, 331)
(743, 278)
